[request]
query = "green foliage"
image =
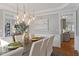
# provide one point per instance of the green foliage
(21, 27)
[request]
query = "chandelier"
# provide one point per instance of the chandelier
(25, 15)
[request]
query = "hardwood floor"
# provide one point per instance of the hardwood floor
(67, 48)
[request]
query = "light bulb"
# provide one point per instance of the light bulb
(33, 18)
(17, 22)
(17, 17)
(23, 19)
(64, 17)
(29, 22)
(24, 15)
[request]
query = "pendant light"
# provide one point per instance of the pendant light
(24, 13)
(17, 17)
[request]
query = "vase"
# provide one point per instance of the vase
(26, 38)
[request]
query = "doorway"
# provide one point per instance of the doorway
(67, 30)
(67, 35)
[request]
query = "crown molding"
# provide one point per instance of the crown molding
(51, 9)
(58, 10)
(40, 12)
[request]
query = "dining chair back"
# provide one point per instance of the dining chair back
(50, 45)
(44, 47)
(35, 48)
(16, 52)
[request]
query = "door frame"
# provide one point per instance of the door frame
(68, 12)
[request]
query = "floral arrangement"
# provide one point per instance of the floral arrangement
(20, 28)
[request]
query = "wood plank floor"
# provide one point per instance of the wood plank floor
(67, 48)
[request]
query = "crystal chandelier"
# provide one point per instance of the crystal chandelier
(25, 16)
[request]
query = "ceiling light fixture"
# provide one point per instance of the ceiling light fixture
(30, 15)
(17, 17)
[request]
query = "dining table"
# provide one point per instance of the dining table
(27, 47)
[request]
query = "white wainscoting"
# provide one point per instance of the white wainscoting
(77, 43)
(57, 41)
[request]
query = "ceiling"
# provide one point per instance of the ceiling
(31, 6)
(36, 7)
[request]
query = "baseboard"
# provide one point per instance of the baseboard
(71, 38)
(77, 53)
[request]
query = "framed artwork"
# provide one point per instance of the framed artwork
(7, 28)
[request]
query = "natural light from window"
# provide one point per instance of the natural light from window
(3, 43)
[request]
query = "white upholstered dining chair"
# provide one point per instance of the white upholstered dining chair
(16, 52)
(50, 45)
(43, 48)
(35, 48)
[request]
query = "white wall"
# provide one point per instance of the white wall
(1, 23)
(47, 24)
(77, 31)
(54, 28)
(39, 25)
(54, 23)
(6, 16)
